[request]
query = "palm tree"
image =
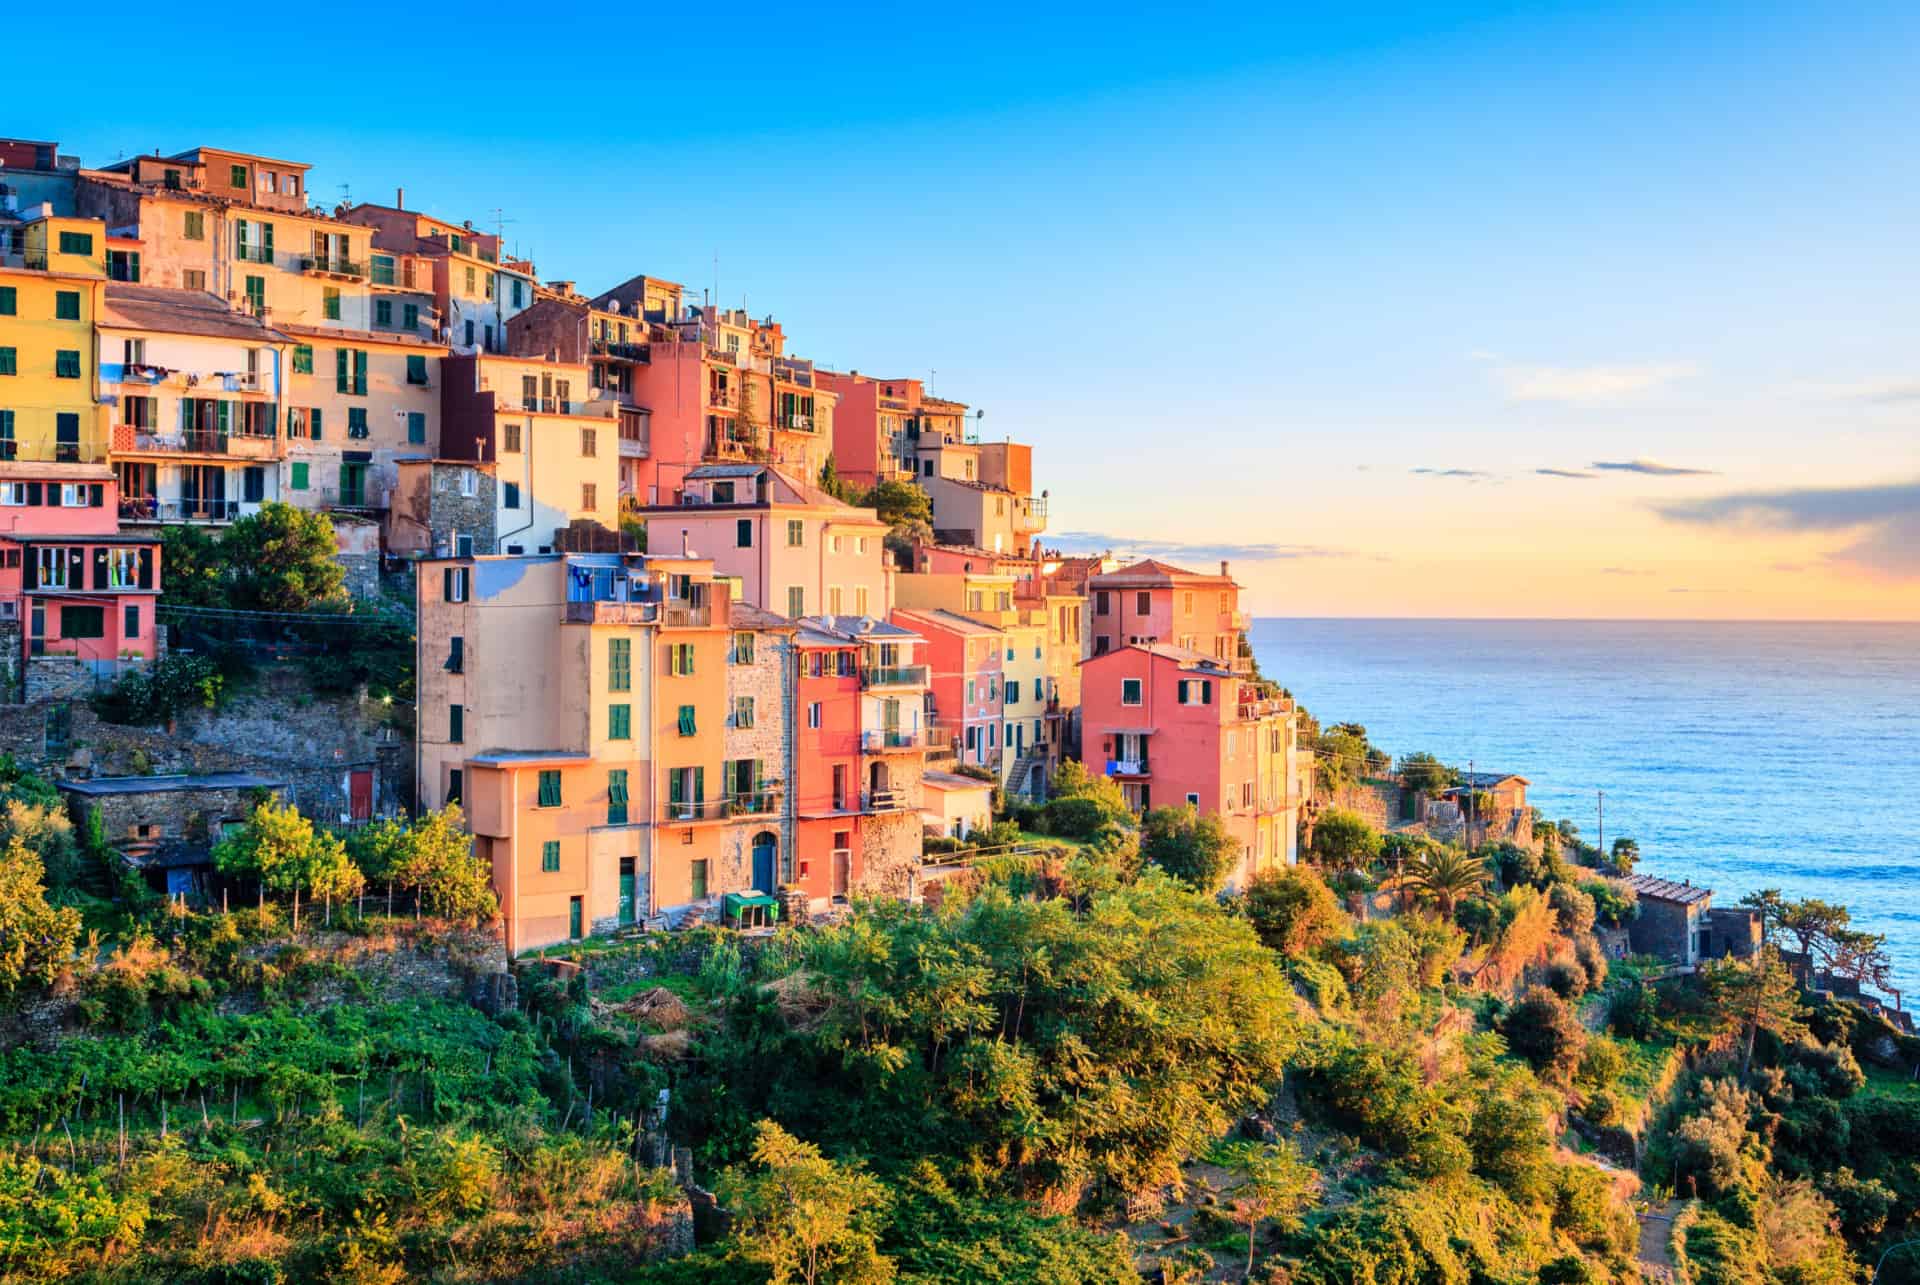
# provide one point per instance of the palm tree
(1445, 876)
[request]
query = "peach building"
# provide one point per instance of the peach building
(964, 656)
(1154, 602)
(790, 546)
(1176, 727)
(879, 423)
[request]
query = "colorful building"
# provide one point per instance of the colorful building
(52, 279)
(879, 424)
(1154, 602)
(1175, 727)
(964, 656)
(477, 287)
(791, 547)
(826, 766)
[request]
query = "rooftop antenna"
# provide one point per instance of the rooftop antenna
(500, 224)
(346, 194)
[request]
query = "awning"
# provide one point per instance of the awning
(737, 905)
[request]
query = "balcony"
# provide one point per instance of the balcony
(882, 801)
(685, 615)
(552, 406)
(895, 676)
(129, 439)
(150, 509)
(1128, 767)
(254, 254)
(334, 268)
(612, 613)
(722, 398)
(894, 738)
(633, 448)
(681, 810)
(721, 446)
(1241, 621)
(763, 801)
(794, 423)
(623, 351)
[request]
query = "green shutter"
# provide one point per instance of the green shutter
(9, 301)
(313, 423)
(360, 371)
(299, 482)
(416, 426)
(9, 362)
(342, 371)
(550, 854)
(266, 240)
(303, 359)
(687, 721)
(410, 316)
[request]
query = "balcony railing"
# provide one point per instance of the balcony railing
(1128, 767)
(683, 615)
(57, 452)
(612, 613)
(795, 423)
(254, 254)
(335, 268)
(552, 406)
(614, 348)
(882, 801)
(694, 810)
(762, 801)
(130, 439)
(149, 509)
(722, 447)
(723, 398)
(893, 738)
(895, 676)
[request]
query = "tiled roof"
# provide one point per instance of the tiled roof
(181, 312)
(1685, 894)
(172, 784)
(857, 628)
(1152, 571)
(950, 620)
(745, 615)
(1185, 657)
(953, 780)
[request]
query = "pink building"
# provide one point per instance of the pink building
(879, 424)
(794, 549)
(78, 588)
(1152, 602)
(1175, 727)
(965, 685)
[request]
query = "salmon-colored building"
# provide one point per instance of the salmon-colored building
(793, 548)
(1176, 727)
(879, 424)
(826, 787)
(965, 658)
(1154, 602)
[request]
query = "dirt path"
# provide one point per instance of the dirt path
(1656, 1231)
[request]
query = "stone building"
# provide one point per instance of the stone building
(445, 508)
(165, 826)
(757, 849)
(1671, 919)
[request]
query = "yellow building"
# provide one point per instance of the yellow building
(52, 279)
(355, 403)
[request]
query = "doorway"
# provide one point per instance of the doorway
(626, 891)
(766, 848)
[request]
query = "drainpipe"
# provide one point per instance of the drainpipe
(649, 636)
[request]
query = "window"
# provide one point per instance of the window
(417, 369)
(454, 584)
(1130, 691)
(237, 176)
(66, 363)
(742, 529)
(833, 600)
(1013, 691)
(680, 659)
(742, 651)
(350, 371)
(861, 601)
(382, 269)
(76, 243)
(617, 796)
(510, 437)
(330, 302)
(550, 854)
(194, 225)
(743, 711)
(357, 421)
(619, 664)
(1196, 691)
(510, 495)
(253, 485)
(490, 285)
(456, 723)
(382, 312)
(697, 879)
(83, 622)
(619, 722)
(833, 545)
(9, 301)
(549, 787)
(470, 278)
(1100, 602)
(687, 724)
(796, 533)
(455, 779)
(519, 295)
(456, 655)
(132, 621)
(796, 601)
(9, 361)
(589, 496)
(417, 434)
(410, 316)
(1142, 603)
(813, 715)
(66, 305)
(193, 278)
(589, 441)
(303, 359)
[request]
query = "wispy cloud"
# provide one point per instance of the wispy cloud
(1652, 468)
(1463, 474)
(1884, 519)
(1887, 390)
(1623, 571)
(1693, 589)
(1562, 472)
(1191, 551)
(1528, 382)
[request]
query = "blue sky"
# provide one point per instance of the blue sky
(1236, 273)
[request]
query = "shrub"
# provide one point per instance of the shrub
(1601, 1063)
(1574, 907)
(1074, 818)
(36, 939)
(1614, 903)
(1343, 840)
(1707, 1142)
(1830, 1069)
(1566, 979)
(1544, 1031)
(1293, 910)
(1586, 949)
(1195, 849)
(158, 692)
(1512, 1145)
(1631, 1011)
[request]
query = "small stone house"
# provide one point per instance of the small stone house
(1672, 921)
(166, 826)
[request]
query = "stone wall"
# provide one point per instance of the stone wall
(175, 814)
(1379, 802)
(358, 541)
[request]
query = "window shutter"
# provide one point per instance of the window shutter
(676, 787)
(341, 375)
(359, 371)
(313, 423)
(266, 239)
(1206, 692)
(76, 566)
(146, 568)
(446, 584)
(699, 785)
(30, 569)
(99, 567)
(33, 494)
(97, 496)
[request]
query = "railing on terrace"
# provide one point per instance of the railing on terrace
(612, 613)
(614, 348)
(763, 801)
(254, 254)
(895, 676)
(1128, 767)
(882, 801)
(961, 856)
(150, 509)
(795, 423)
(685, 615)
(894, 738)
(336, 267)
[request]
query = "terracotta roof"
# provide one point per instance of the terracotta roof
(944, 619)
(1185, 657)
(182, 312)
(1152, 571)
(953, 780)
(1685, 894)
(745, 615)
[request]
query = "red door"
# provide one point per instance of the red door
(360, 795)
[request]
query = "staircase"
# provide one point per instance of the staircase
(1021, 780)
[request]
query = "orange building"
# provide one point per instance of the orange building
(1154, 602)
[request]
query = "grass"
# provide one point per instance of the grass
(1884, 1083)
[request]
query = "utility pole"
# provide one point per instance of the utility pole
(1470, 780)
(1601, 803)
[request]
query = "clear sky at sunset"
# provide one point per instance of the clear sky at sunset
(1497, 309)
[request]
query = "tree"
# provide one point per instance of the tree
(1343, 755)
(1447, 876)
(194, 567)
(1750, 996)
(1084, 804)
(1275, 1185)
(432, 858)
(1293, 910)
(804, 1217)
(36, 939)
(1813, 925)
(1547, 1033)
(833, 484)
(1343, 840)
(1625, 855)
(282, 559)
(1195, 849)
(1424, 774)
(281, 849)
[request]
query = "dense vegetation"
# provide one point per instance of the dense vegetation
(1405, 1063)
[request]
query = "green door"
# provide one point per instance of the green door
(626, 890)
(574, 919)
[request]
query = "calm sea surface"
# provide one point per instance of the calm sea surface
(1741, 756)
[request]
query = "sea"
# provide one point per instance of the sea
(1739, 755)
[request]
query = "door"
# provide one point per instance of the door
(575, 919)
(626, 890)
(360, 794)
(890, 720)
(765, 848)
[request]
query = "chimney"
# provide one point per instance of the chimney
(1223, 566)
(399, 198)
(686, 547)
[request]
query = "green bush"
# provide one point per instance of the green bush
(158, 692)
(1293, 910)
(1544, 1031)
